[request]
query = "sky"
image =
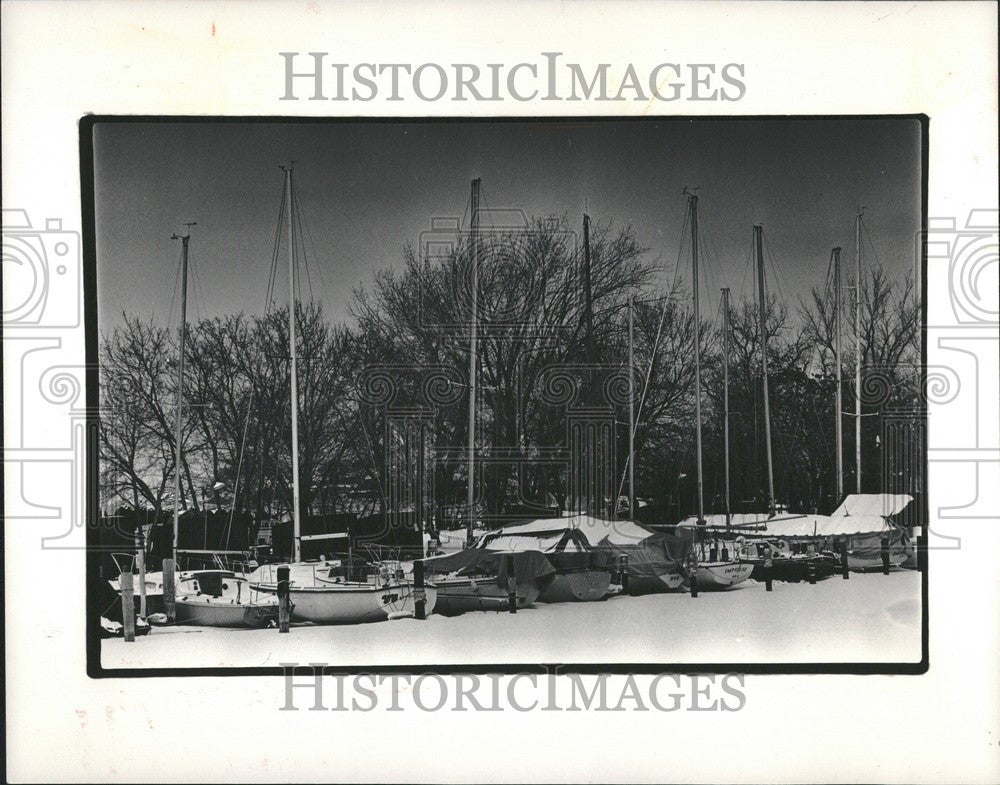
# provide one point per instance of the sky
(367, 189)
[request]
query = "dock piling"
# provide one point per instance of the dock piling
(284, 608)
(169, 590)
(419, 592)
(128, 606)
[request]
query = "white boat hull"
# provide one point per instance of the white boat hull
(721, 575)
(355, 603)
(221, 612)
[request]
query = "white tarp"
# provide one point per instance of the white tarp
(802, 525)
(754, 519)
(828, 526)
(512, 542)
(594, 529)
(887, 504)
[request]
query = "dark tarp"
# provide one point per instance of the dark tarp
(658, 554)
(528, 565)
(578, 561)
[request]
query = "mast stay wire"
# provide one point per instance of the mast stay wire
(656, 340)
(177, 283)
(272, 275)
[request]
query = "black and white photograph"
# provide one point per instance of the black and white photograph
(500, 392)
(626, 392)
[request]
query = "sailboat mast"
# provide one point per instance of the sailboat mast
(296, 519)
(587, 293)
(857, 362)
(631, 411)
(725, 396)
(590, 450)
(758, 235)
(839, 403)
(693, 201)
(178, 408)
(473, 348)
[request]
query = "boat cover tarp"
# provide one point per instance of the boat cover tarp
(805, 525)
(594, 530)
(829, 526)
(872, 504)
(583, 542)
(527, 565)
(530, 542)
(658, 554)
(754, 520)
(577, 561)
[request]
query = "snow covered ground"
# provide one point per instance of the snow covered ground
(869, 618)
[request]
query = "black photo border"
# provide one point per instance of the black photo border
(92, 511)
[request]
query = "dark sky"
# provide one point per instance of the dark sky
(367, 189)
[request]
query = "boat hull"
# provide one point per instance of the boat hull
(794, 569)
(354, 603)
(873, 563)
(580, 586)
(639, 585)
(457, 595)
(219, 612)
(721, 575)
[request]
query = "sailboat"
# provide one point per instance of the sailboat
(718, 567)
(318, 591)
(211, 598)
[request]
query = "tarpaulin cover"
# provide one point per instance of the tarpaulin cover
(576, 561)
(828, 526)
(737, 519)
(593, 530)
(545, 543)
(658, 554)
(527, 565)
(873, 504)
(803, 525)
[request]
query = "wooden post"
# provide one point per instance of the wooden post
(169, 590)
(284, 610)
(140, 560)
(419, 593)
(768, 574)
(844, 566)
(811, 572)
(885, 555)
(623, 572)
(128, 606)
